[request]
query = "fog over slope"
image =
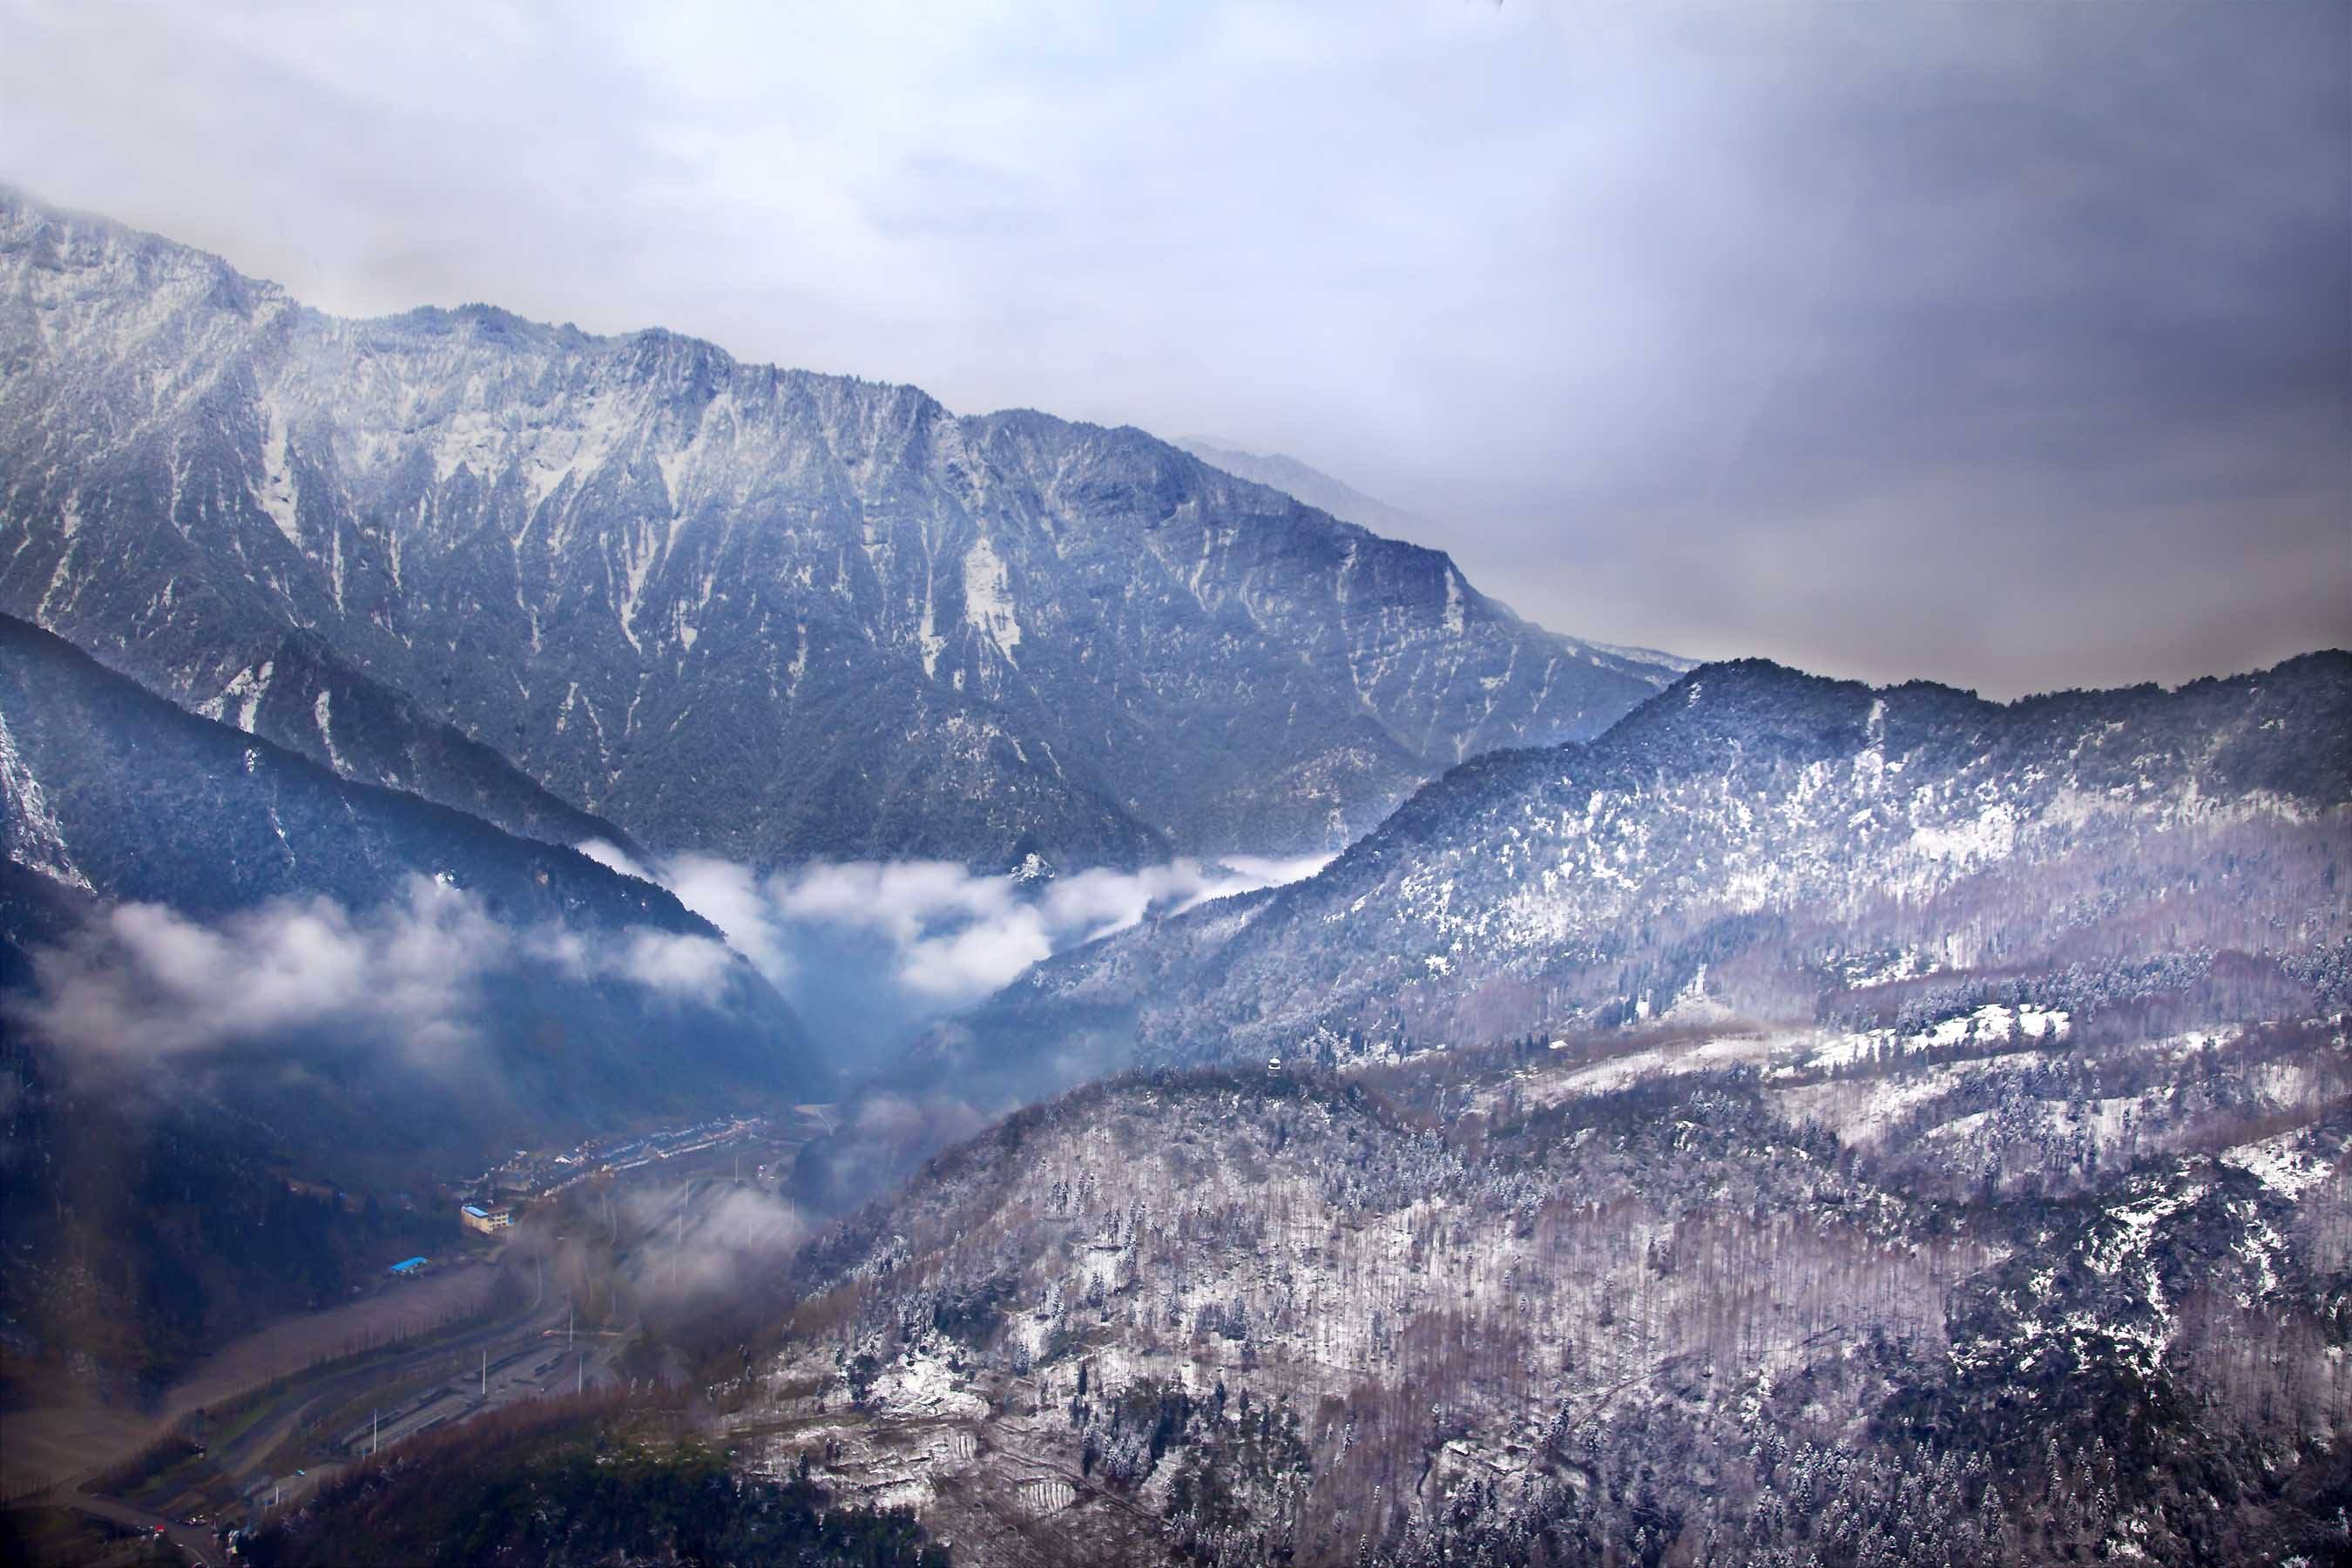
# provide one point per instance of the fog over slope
(869, 952)
(362, 975)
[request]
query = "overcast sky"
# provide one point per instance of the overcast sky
(2005, 343)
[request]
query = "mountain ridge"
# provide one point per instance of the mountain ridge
(1736, 839)
(643, 572)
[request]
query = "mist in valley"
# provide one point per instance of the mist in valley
(872, 953)
(1352, 786)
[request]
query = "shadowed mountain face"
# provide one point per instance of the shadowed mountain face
(1753, 841)
(222, 967)
(760, 613)
(357, 973)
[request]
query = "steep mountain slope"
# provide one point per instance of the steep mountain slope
(2054, 1287)
(230, 979)
(1756, 841)
(116, 794)
(763, 612)
(111, 790)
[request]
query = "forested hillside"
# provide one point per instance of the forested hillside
(1996, 1283)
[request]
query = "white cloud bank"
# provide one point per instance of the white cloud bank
(953, 936)
(869, 951)
(144, 981)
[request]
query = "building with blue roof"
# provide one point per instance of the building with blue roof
(474, 1216)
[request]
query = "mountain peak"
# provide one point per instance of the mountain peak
(658, 581)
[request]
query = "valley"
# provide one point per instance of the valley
(556, 1304)
(614, 954)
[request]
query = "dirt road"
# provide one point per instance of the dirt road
(199, 1545)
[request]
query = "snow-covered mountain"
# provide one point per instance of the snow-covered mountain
(1752, 841)
(1700, 1295)
(758, 612)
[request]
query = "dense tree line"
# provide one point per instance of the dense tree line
(574, 1484)
(2033, 1313)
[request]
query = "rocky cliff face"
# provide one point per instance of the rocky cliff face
(757, 612)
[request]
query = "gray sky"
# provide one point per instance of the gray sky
(2005, 343)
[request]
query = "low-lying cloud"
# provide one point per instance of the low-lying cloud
(144, 981)
(729, 1233)
(957, 936)
(870, 950)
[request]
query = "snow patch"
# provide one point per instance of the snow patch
(2284, 1163)
(322, 710)
(277, 491)
(35, 838)
(1993, 835)
(988, 598)
(246, 691)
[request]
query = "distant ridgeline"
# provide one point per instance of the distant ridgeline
(766, 613)
(1760, 844)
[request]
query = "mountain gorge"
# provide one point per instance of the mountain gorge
(229, 974)
(764, 613)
